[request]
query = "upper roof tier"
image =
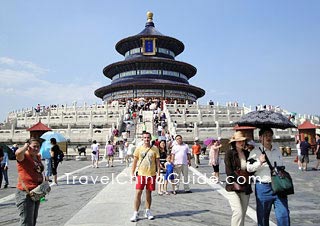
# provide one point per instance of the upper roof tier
(163, 41)
(149, 63)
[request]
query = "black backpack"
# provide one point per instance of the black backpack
(60, 156)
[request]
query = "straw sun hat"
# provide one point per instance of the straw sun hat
(237, 136)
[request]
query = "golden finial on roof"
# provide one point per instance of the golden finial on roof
(149, 16)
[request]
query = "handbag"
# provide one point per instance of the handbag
(94, 152)
(242, 176)
(239, 187)
(38, 192)
(281, 181)
(244, 181)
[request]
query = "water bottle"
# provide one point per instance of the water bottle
(43, 199)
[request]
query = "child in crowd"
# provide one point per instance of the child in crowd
(169, 176)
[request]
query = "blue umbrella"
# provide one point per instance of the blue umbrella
(50, 134)
(45, 149)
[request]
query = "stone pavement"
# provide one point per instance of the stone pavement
(102, 203)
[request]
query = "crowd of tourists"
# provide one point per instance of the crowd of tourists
(162, 165)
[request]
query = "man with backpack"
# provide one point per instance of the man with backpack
(56, 157)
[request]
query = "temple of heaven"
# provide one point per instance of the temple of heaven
(149, 70)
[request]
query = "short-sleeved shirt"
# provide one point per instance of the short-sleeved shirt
(147, 164)
(110, 149)
(95, 147)
(305, 146)
(55, 149)
(163, 156)
(180, 154)
(196, 149)
(30, 172)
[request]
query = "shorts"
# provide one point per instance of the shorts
(95, 157)
(215, 168)
(48, 171)
(304, 158)
(54, 166)
(146, 181)
(169, 176)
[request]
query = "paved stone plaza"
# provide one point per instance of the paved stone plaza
(99, 203)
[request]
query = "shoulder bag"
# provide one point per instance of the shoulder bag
(142, 160)
(281, 181)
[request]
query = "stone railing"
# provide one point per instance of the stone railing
(81, 135)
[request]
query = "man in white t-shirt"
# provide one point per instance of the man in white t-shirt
(181, 156)
(95, 153)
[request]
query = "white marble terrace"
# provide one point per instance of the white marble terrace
(81, 124)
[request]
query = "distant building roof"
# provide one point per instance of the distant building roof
(39, 127)
(307, 125)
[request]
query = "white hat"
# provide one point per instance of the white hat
(196, 139)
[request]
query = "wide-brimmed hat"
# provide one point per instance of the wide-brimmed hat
(237, 136)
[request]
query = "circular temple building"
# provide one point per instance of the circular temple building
(149, 70)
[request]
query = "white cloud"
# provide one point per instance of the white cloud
(217, 92)
(55, 93)
(24, 65)
(16, 78)
(21, 84)
(7, 61)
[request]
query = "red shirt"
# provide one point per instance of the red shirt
(30, 172)
(196, 149)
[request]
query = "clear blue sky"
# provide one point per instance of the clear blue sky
(252, 52)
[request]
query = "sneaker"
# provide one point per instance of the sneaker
(149, 215)
(188, 191)
(314, 169)
(5, 186)
(134, 218)
(300, 168)
(54, 184)
(107, 165)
